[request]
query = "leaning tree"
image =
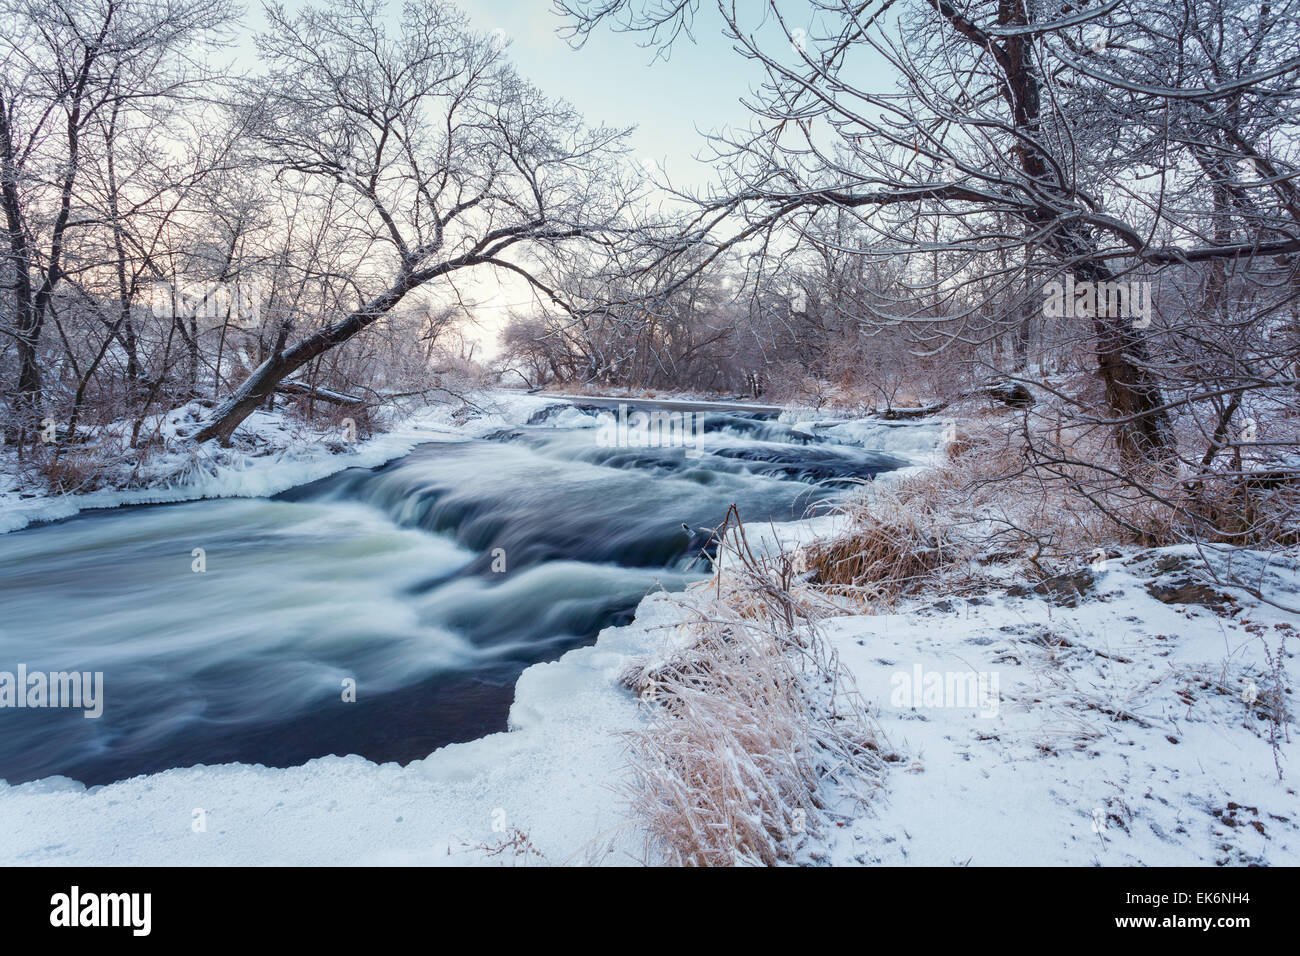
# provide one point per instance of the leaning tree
(433, 156)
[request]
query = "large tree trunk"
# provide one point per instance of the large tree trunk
(1142, 429)
(19, 256)
(1144, 432)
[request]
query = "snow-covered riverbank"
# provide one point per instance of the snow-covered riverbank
(553, 777)
(1113, 728)
(285, 458)
(1117, 717)
(1117, 714)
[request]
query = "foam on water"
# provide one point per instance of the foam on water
(432, 582)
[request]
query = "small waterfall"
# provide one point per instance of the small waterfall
(429, 584)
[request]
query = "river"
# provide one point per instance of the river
(422, 588)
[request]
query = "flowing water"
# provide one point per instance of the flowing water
(431, 583)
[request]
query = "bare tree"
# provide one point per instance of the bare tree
(72, 75)
(1024, 135)
(436, 156)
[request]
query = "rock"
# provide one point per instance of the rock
(1063, 589)
(1189, 591)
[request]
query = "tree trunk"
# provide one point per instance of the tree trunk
(1144, 433)
(1142, 429)
(261, 384)
(29, 376)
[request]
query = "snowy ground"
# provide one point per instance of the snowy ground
(1119, 729)
(274, 456)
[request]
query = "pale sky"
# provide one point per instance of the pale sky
(612, 79)
(615, 81)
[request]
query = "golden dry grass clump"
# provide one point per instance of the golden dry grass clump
(985, 503)
(750, 719)
(895, 547)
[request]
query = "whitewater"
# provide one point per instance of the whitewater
(517, 731)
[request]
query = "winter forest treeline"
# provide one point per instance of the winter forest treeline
(1097, 201)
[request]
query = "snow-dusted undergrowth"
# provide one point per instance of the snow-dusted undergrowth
(751, 717)
(270, 455)
(1137, 715)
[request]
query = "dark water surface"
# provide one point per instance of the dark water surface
(390, 578)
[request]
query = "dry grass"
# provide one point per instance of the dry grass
(898, 545)
(751, 718)
(333, 419)
(985, 504)
(72, 469)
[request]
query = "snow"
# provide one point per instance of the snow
(1120, 732)
(1123, 759)
(286, 458)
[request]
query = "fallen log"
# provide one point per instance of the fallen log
(317, 393)
(902, 414)
(1011, 394)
